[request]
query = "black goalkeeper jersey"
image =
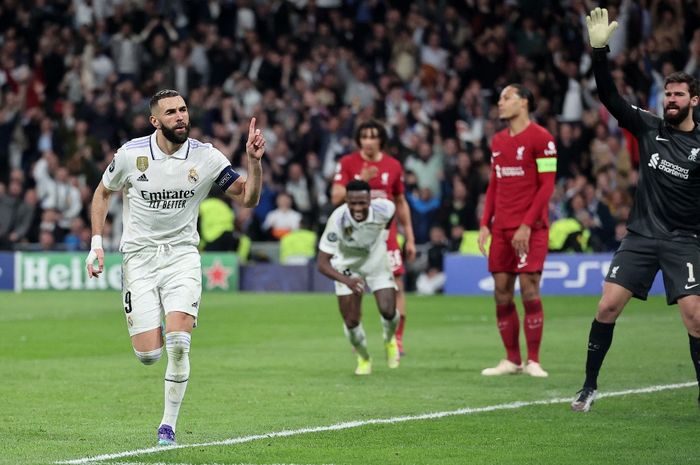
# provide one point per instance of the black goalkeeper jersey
(667, 201)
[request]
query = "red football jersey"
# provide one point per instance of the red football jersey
(387, 183)
(523, 168)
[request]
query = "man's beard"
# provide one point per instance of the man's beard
(678, 118)
(175, 138)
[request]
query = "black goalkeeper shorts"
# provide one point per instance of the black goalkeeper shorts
(639, 258)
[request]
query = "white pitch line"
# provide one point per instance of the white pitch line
(376, 421)
(170, 463)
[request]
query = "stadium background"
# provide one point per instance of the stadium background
(75, 79)
(77, 75)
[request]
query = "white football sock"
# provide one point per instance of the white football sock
(357, 338)
(389, 326)
(177, 345)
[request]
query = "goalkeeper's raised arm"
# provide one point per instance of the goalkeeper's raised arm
(599, 33)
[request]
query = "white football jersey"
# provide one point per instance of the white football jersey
(358, 245)
(162, 192)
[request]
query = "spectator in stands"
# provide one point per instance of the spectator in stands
(569, 151)
(110, 240)
(424, 207)
(427, 166)
(432, 54)
(15, 216)
(216, 220)
(47, 241)
(63, 196)
(459, 208)
(282, 219)
(603, 224)
(126, 50)
(32, 201)
(319, 72)
(318, 184)
(468, 172)
(76, 137)
(297, 186)
(75, 239)
(432, 280)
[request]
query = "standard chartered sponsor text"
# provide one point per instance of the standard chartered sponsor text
(673, 169)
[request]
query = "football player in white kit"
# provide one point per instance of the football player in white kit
(352, 252)
(164, 177)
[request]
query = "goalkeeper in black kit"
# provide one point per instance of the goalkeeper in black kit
(664, 224)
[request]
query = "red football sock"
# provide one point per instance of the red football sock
(399, 332)
(509, 327)
(534, 322)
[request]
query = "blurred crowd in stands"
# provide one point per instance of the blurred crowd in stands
(76, 76)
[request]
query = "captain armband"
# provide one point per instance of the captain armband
(227, 177)
(546, 165)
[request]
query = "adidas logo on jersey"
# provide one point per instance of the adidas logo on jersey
(142, 177)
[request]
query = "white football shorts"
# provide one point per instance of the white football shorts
(157, 281)
(376, 272)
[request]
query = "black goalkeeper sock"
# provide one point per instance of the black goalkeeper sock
(695, 356)
(599, 340)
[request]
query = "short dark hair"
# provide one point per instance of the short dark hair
(372, 124)
(358, 185)
(160, 95)
(680, 77)
(524, 92)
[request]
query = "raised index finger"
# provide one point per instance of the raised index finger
(251, 128)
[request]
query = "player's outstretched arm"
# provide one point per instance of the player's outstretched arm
(100, 204)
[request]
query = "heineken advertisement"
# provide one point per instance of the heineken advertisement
(66, 271)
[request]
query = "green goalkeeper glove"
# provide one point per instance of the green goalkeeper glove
(599, 31)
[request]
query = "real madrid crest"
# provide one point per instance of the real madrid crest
(142, 163)
(347, 231)
(193, 177)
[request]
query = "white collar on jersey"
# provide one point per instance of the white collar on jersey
(158, 154)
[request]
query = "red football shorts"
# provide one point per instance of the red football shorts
(394, 251)
(502, 256)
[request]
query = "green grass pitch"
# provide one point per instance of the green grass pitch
(264, 363)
